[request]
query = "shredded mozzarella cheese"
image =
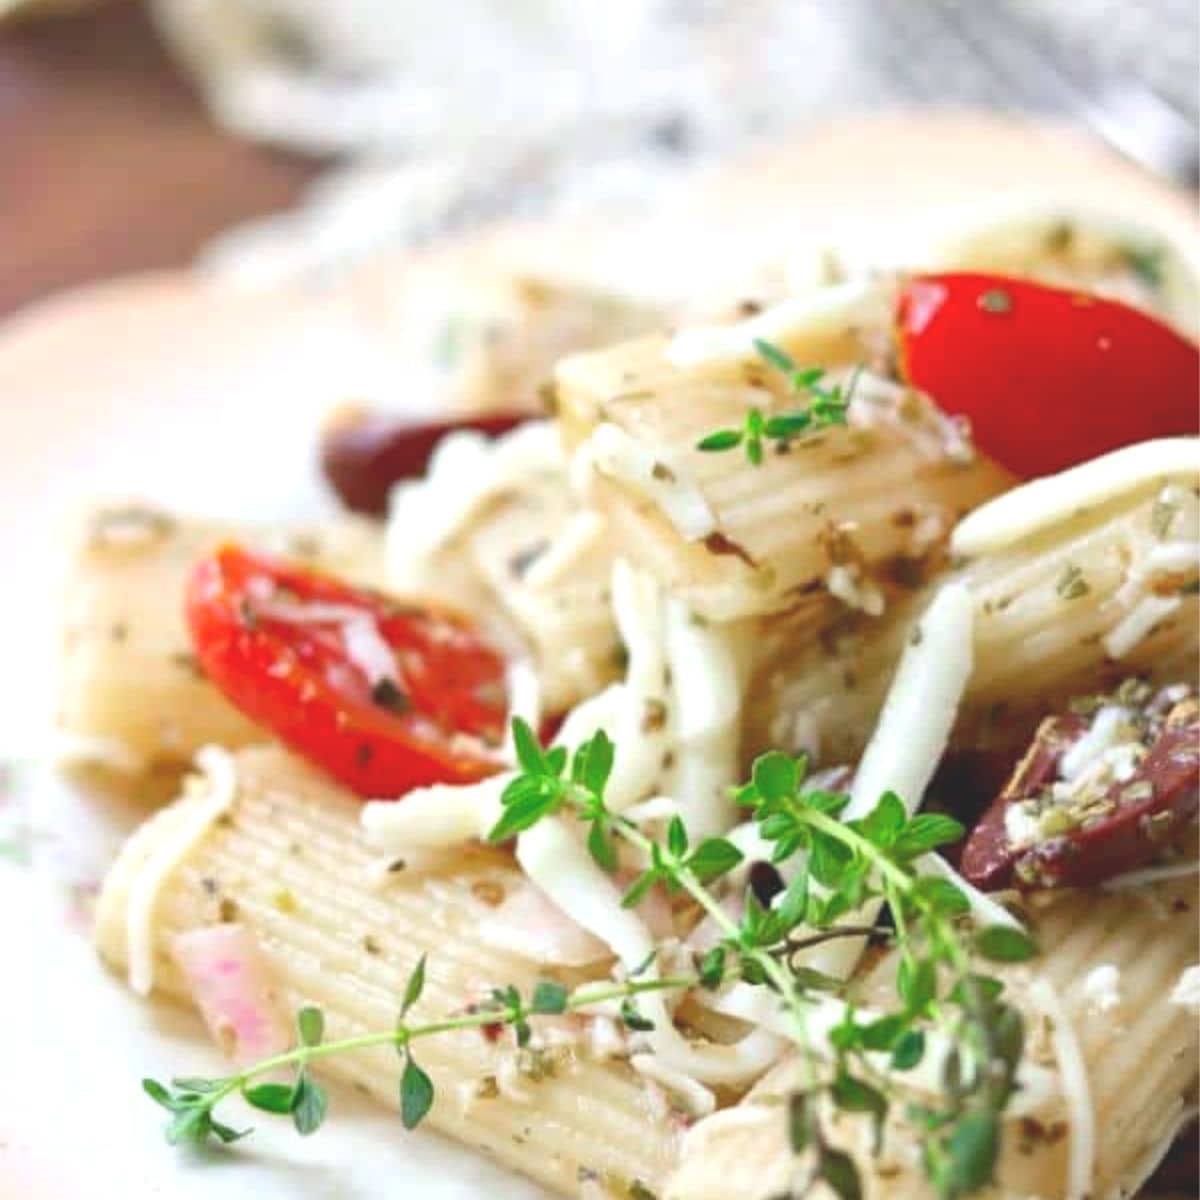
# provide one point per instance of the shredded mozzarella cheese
(220, 777)
(706, 689)
(72, 748)
(922, 703)
(1102, 987)
(845, 582)
(1040, 503)
(816, 316)
(653, 471)
(758, 1006)
(984, 909)
(558, 863)
(582, 534)
(367, 650)
(524, 701)
(433, 817)
(1138, 624)
(1173, 558)
(531, 925)
(907, 745)
(1132, 879)
(1076, 1090)
(697, 1100)
(1186, 993)
(1108, 728)
(738, 1117)
(467, 472)
(643, 722)
(365, 645)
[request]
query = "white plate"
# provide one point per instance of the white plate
(208, 400)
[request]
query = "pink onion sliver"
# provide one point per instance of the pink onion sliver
(230, 981)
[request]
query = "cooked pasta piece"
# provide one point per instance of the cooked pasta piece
(1074, 606)
(286, 860)
(1137, 1050)
(476, 336)
(495, 527)
(734, 540)
(131, 693)
(550, 577)
(132, 697)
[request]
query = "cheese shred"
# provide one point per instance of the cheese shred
(1076, 1090)
(220, 792)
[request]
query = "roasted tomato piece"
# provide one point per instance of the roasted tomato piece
(1095, 795)
(385, 696)
(1047, 377)
(364, 454)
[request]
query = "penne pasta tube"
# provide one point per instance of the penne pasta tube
(284, 858)
(494, 527)
(1096, 999)
(131, 695)
(476, 335)
(547, 567)
(1075, 605)
(736, 540)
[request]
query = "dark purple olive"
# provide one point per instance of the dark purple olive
(363, 454)
(1133, 822)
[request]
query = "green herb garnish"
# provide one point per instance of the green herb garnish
(996, 300)
(828, 407)
(841, 871)
(1147, 262)
(192, 1102)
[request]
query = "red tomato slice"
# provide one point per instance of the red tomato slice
(382, 695)
(1048, 378)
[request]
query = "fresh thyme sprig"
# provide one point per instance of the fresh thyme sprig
(842, 866)
(874, 858)
(192, 1101)
(839, 869)
(828, 407)
(545, 787)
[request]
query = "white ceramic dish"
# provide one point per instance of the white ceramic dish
(207, 401)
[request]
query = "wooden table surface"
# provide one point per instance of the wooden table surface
(108, 161)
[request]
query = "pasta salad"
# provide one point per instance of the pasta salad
(759, 760)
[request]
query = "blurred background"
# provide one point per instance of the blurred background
(274, 140)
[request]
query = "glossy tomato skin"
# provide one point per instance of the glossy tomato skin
(1047, 377)
(249, 619)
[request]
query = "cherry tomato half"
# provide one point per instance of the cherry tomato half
(384, 696)
(1048, 378)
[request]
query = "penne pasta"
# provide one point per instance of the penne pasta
(1054, 615)
(287, 861)
(734, 540)
(597, 839)
(131, 693)
(1139, 1055)
(479, 336)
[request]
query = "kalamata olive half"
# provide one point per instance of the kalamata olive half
(1125, 827)
(363, 454)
